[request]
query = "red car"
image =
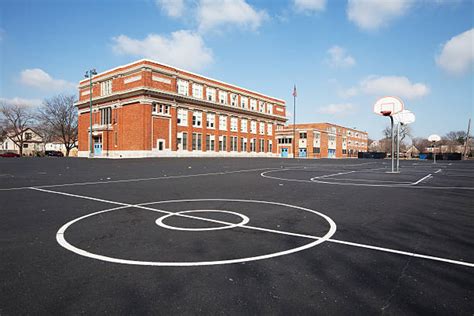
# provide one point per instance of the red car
(9, 155)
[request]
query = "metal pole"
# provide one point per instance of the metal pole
(398, 147)
(91, 152)
(434, 153)
(294, 125)
(393, 145)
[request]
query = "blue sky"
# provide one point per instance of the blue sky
(342, 55)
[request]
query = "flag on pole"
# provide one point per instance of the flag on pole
(295, 94)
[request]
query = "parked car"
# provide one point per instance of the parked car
(9, 155)
(53, 153)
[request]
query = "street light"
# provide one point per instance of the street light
(89, 74)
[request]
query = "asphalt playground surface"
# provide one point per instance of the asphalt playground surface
(236, 236)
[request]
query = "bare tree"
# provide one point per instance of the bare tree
(405, 131)
(16, 119)
(58, 117)
(421, 143)
(453, 139)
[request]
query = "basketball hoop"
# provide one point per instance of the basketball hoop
(388, 106)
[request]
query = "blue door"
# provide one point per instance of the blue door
(331, 153)
(97, 147)
(284, 152)
(302, 153)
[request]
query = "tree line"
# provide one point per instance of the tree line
(452, 140)
(54, 120)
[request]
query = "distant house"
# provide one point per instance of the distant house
(33, 143)
(412, 152)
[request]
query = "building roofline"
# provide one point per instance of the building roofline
(180, 70)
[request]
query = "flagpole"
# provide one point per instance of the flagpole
(294, 122)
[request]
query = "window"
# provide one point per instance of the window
(182, 117)
(210, 120)
(269, 129)
(106, 116)
(197, 119)
(317, 135)
(25, 145)
(197, 141)
(233, 124)
(244, 102)
(233, 143)
(261, 106)
(161, 109)
(106, 87)
(210, 143)
(316, 150)
(197, 91)
(262, 146)
(344, 151)
(261, 128)
(303, 135)
(253, 104)
(183, 87)
(223, 143)
(284, 140)
(269, 108)
(182, 141)
(28, 136)
(211, 94)
(233, 99)
(243, 126)
(243, 144)
(331, 138)
(252, 145)
(253, 127)
(223, 123)
(222, 97)
(270, 146)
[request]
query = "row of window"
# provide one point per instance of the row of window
(222, 97)
(234, 144)
(211, 123)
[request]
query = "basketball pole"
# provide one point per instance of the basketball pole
(393, 141)
(398, 147)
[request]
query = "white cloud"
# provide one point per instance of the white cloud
(457, 55)
(348, 93)
(21, 101)
(309, 6)
(339, 58)
(38, 78)
(372, 14)
(173, 8)
(393, 85)
(336, 109)
(213, 14)
(184, 49)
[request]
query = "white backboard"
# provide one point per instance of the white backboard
(434, 138)
(404, 117)
(388, 106)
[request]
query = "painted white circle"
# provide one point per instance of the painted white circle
(60, 238)
(160, 221)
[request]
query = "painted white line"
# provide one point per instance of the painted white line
(405, 253)
(332, 175)
(62, 241)
(422, 179)
(139, 179)
(437, 171)
(370, 180)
